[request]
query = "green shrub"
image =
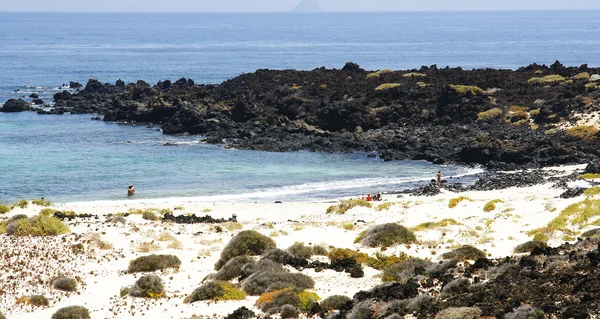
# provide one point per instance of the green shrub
(247, 242)
(150, 215)
(384, 206)
(432, 225)
(47, 211)
(276, 255)
(65, 284)
(21, 204)
(589, 176)
(300, 250)
(591, 234)
(148, 286)
(4, 209)
(345, 205)
(39, 301)
(381, 261)
(459, 313)
(546, 79)
(465, 252)
(294, 297)
(455, 287)
(334, 302)
(466, 89)
(582, 76)
(525, 312)
(337, 254)
(387, 86)
(405, 271)
(41, 202)
(413, 75)
(584, 132)
(37, 226)
(529, 246)
(591, 86)
(262, 265)
(17, 217)
(289, 311)
(491, 205)
(153, 263)
(263, 281)
(454, 201)
(490, 114)
(377, 74)
(320, 250)
(216, 290)
(72, 312)
(386, 235)
(233, 268)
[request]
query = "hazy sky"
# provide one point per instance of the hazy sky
(286, 5)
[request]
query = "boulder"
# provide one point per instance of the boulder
(37, 101)
(62, 96)
(594, 78)
(34, 95)
(13, 105)
(94, 86)
(75, 85)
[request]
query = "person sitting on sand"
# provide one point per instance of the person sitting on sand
(131, 190)
(377, 197)
(369, 198)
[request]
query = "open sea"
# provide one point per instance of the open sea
(71, 158)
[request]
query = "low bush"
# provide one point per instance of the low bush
(233, 268)
(17, 217)
(432, 225)
(263, 281)
(591, 86)
(384, 206)
(525, 312)
(491, 205)
(454, 201)
(589, 176)
(47, 212)
(41, 202)
(276, 255)
(4, 209)
(247, 242)
(216, 290)
(337, 254)
(34, 300)
(406, 270)
(288, 311)
(153, 263)
(546, 79)
(345, 205)
(584, 132)
(300, 250)
(262, 265)
(2, 316)
(381, 261)
(150, 215)
(529, 246)
(467, 89)
(21, 204)
(386, 235)
(37, 226)
(377, 74)
(465, 252)
(387, 86)
(551, 131)
(320, 250)
(459, 313)
(334, 302)
(490, 114)
(148, 286)
(65, 284)
(294, 297)
(72, 312)
(582, 76)
(413, 75)
(455, 287)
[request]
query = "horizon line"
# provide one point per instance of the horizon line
(312, 12)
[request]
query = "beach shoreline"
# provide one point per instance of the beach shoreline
(102, 271)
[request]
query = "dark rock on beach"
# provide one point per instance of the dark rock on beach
(13, 105)
(501, 119)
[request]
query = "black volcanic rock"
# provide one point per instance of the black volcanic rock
(13, 105)
(75, 85)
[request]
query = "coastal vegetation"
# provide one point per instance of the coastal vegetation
(386, 86)
(348, 204)
(376, 75)
(300, 299)
(153, 263)
(589, 176)
(432, 225)
(65, 284)
(490, 114)
(413, 75)
(491, 205)
(38, 225)
(334, 302)
(465, 252)
(4, 209)
(148, 286)
(454, 201)
(247, 242)
(466, 89)
(216, 291)
(386, 235)
(72, 312)
(302, 251)
(546, 79)
(529, 246)
(263, 281)
(583, 132)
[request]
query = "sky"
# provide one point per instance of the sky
(287, 5)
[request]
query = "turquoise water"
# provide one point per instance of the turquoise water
(71, 158)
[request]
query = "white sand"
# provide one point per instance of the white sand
(102, 271)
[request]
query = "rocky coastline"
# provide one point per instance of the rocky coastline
(536, 116)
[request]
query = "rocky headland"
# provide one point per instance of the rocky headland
(535, 116)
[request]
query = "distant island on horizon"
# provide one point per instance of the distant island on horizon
(308, 6)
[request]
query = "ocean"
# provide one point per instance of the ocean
(71, 158)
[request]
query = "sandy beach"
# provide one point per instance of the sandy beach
(30, 263)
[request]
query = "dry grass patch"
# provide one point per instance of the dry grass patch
(432, 225)
(387, 86)
(589, 176)
(345, 205)
(376, 75)
(466, 89)
(546, 79)
(584, 132)
(593, 191)
(146, 246)
(454, 201)
(491, 205)
(582, 76)
(490, 114)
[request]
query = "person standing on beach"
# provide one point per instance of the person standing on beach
(131, 191)
(438, 179)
